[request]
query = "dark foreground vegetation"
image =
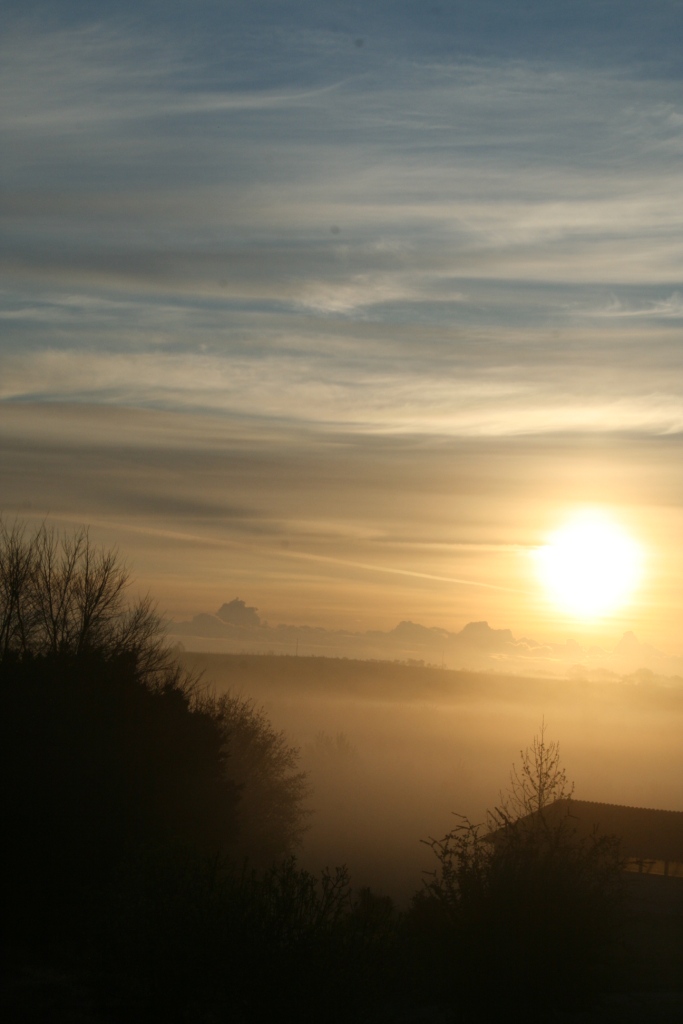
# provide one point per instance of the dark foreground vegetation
(150, 837)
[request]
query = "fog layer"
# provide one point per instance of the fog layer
(393, 750)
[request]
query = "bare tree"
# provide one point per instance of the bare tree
(61, 594)
(16, 570)
(538, 781)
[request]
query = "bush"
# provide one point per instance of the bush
(525, 909)
(264, 767)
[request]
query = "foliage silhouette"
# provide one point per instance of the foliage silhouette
(64, 617)
(150, 828)
(129, 780)
(527, 901)
(538, 781)
(63, 596)
(105, 771)
(271, 815)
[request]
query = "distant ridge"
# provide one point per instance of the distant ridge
(478, 646)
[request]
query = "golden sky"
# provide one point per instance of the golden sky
(345, 313)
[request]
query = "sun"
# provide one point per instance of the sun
(590, 566)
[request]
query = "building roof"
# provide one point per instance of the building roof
(645, 832)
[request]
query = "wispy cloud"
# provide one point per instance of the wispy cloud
(670, 308)
(466, 403)
(274, 242)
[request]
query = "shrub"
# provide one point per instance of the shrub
(525, 909)
(264, 767)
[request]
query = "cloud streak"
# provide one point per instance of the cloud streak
(253, 235)
(286, 388)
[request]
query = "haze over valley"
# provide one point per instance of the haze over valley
(394, 750)
(341, 469)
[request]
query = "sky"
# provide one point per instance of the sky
(344, 308)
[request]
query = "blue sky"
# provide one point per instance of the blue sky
(369, 285)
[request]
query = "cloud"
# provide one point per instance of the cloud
(292, 389)
(340, 525)
(263, 262)
(670, 308)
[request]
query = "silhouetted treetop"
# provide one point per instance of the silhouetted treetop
(536, 782)
(63, 595)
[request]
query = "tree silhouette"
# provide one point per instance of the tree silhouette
(538, 781)
(526, 901)
(264, 766)
(120, 762)
(61, 595)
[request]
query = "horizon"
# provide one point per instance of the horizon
(373, 313)
(238, 628)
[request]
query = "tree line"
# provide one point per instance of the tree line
(151, 831)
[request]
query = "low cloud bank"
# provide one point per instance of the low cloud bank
(237, 627)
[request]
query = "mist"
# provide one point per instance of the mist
(393, 751)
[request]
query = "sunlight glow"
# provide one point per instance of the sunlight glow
(590, 567)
